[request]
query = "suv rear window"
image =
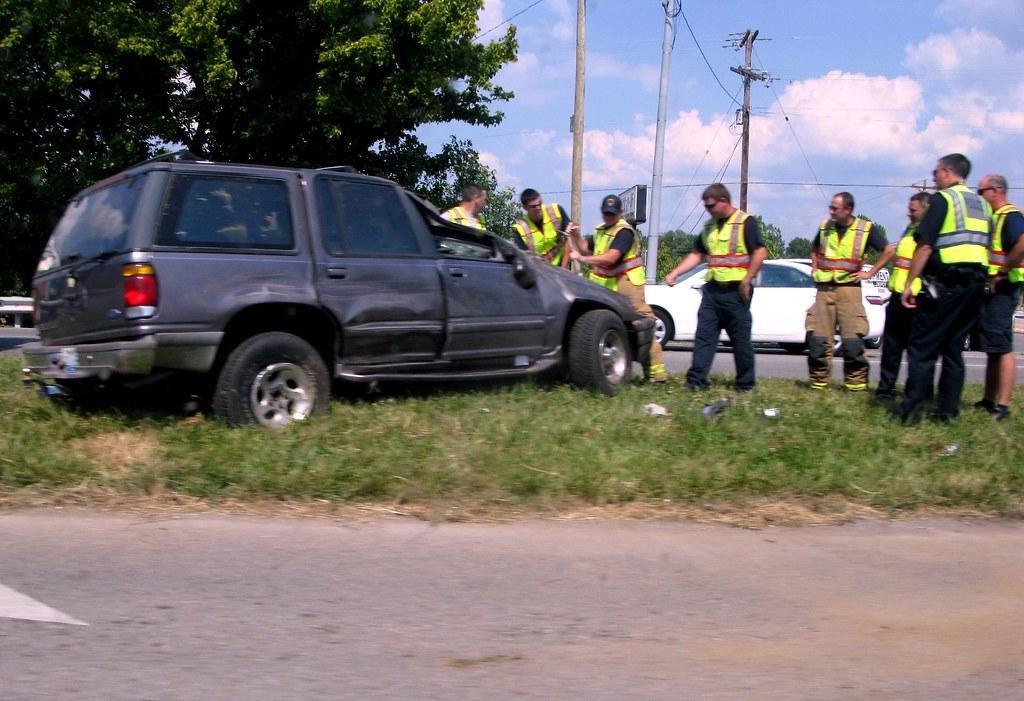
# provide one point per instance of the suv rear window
(226, 212)
(94, 224)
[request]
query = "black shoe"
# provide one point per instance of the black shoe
(1000, 412)
(885, 397)
(689, 387)
(986, 404)
(941, 417)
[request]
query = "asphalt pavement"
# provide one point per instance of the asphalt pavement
(203, 607)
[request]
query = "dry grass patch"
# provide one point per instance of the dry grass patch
(117, 455)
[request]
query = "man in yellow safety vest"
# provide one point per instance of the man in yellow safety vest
(467, 212)
(898, 319)
(544, 229)
(838, 254)
(1006, 274)
(731, 244)
(952, 261)
(617, 263)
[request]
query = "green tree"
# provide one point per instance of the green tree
(672, 248)
(772, 237)
(799, 247)
(95, 85)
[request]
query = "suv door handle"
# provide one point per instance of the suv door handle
(457, 272)
(337, 273)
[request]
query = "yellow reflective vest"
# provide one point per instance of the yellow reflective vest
(631, 265)
(841, 256)
(544, 240)
(727, 256)
(996, 254)
(901, 268)
(461, 216)
(964, 236)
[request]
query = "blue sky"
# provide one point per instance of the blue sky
(875, 92)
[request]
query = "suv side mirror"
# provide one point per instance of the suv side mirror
(521, 270)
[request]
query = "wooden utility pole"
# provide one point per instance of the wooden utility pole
(576, 197)
(747, 42)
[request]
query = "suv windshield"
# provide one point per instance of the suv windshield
(94, 224)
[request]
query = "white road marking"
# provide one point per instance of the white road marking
(16, 605)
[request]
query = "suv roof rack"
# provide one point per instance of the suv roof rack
(179, 155)
(340, 169)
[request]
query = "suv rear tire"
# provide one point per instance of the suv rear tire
(599, 356)
(271, 379)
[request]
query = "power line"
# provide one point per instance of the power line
(795, 137)
(717, 178)
(502, 24)
(706, 62)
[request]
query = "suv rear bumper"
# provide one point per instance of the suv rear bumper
(174, 351)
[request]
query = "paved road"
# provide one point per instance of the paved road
(232, 608)
(772, 362)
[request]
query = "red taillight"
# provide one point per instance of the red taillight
(140, 288)
(872, 299)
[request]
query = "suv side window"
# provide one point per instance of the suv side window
(363, 218)
(226, 212)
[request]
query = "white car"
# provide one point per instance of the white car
(783, 293)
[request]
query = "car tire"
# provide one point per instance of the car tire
(873, 343)
(599, 355)
(664, 329)
(271, 379)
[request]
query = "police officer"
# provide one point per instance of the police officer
(467, 212)
(1006, 273)
(731, 244)
(617, 263)
(838, 254)
(898, 319)
(951, 259)
(543, 229)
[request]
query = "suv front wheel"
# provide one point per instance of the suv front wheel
(599, 355)
(271, 379)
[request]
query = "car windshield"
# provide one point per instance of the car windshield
(94, 224)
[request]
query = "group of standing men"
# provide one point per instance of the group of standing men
(959, 266)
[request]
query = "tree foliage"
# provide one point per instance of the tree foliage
(95, 85)
(799, 247)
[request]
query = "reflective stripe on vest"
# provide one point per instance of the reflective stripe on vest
(901, 268)
(460, 216)
(843, 256)
(543, 240)
(996, 255)
(727, 256)
(965, 233)
(631, 265)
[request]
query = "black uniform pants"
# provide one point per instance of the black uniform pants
(940, 325)
(722, 307)
(895, 336)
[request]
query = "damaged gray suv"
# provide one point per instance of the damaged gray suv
(259, 285)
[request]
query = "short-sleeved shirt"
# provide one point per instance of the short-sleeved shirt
(928, 231)
(876, 241)
(751, 236)
(622, 242)
(563, 221)
(1013, 229)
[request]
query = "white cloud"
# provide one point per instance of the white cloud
(502, 174)
(956, 52)
(601, 65)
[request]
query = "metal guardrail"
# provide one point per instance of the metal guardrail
(17, 307)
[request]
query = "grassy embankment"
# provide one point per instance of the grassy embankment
(522, 447)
